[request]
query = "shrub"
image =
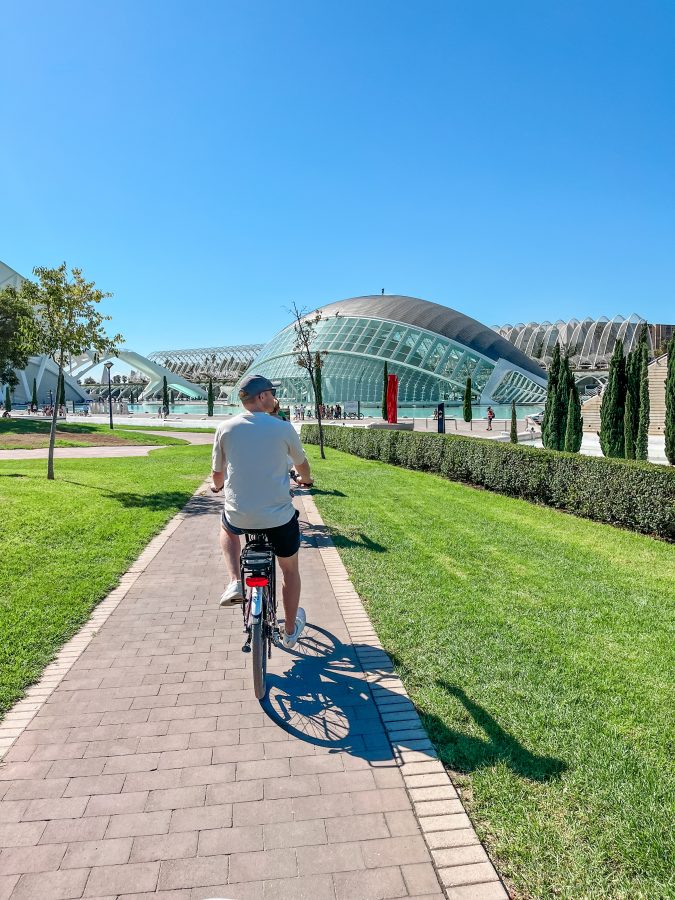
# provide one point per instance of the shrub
(636, 495)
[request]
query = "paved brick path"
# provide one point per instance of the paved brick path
(151, 770)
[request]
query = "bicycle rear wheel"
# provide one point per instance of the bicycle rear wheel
(259, 656)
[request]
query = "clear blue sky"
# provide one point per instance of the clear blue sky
(210, 162)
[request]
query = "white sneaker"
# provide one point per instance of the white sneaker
(290, 640)
(232, 594)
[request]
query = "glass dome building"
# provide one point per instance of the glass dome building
(433, 349)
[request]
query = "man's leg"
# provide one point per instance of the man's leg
(230, 544)
(291, 589)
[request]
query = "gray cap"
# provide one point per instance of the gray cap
(253, 385)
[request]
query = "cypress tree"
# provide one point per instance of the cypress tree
(670, 405)
(628, 444)
(642, 440)
(165, 396)
(550, 427)
(384, 392)
(8, 399)
(33, 401)
(573, 430)
(468, 412)
(558, 426)
(514, 423)
(317, 378)
(209, 398)
(613, 405)
(61, 392)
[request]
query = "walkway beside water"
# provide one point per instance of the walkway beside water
(142, 765)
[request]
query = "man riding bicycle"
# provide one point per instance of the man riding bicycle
(250, 461)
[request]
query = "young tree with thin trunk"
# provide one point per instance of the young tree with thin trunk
(613, 405)
(209, 398)
(670, 405)
(385, 387)
(66, 323)
(514, 423)
(319, 384)
(467, 411)
(642, 439)
(305, 356)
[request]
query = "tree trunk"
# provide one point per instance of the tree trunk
(52, 432)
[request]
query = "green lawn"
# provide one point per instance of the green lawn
(539, 649)
(22, 434)
(64, 544)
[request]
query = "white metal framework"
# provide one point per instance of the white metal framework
(589, 342)
(223, 364)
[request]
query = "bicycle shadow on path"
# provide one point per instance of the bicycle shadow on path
(322, 697)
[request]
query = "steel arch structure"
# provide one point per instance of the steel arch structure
(589, 342)
(223, 364)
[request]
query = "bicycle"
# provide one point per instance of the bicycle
(258, 574)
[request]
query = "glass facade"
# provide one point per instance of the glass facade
(430, 366)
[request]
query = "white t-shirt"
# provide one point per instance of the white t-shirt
(253, 449)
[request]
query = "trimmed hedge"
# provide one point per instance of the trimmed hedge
(636, 495)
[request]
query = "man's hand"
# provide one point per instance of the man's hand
(218, 479)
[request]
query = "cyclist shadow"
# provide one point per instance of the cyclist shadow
(323, 698)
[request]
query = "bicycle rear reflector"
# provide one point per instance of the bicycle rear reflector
(257, 581)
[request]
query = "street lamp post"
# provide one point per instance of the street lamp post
(108, 366)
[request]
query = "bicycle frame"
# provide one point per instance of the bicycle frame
(258, 574)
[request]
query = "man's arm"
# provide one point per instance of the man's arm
(304, 473)
(217, 464)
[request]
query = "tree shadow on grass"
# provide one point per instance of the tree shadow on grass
(13, 475)
(321, 536)
(466, 753)
(160, 500)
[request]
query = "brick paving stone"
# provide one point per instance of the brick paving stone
(122, 879)
(88, 828)
(331, 858)
(85, 854)
(262, 812)
(7, 885)
(394, 851)
(460, 856)
(11, 810)
(263, 864)
(197, 872)
(356, 828)
(21, 834)
(150, 848)
(64, 885)
(238, 839)
(19, 860)
(207, 775)
(459, 837)
(492, 890)
(139, 823)
(116, 804)
(472, 873)
(420, 878)
(151, 781)
(312, 887)
(295, 834)
(176, 798)
(234, 792)
(374, 884)
(94, 784)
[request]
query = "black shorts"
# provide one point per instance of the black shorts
(285, 539)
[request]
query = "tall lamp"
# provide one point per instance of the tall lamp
(108, 366)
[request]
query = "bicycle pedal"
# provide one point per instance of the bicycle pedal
(246, 648)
